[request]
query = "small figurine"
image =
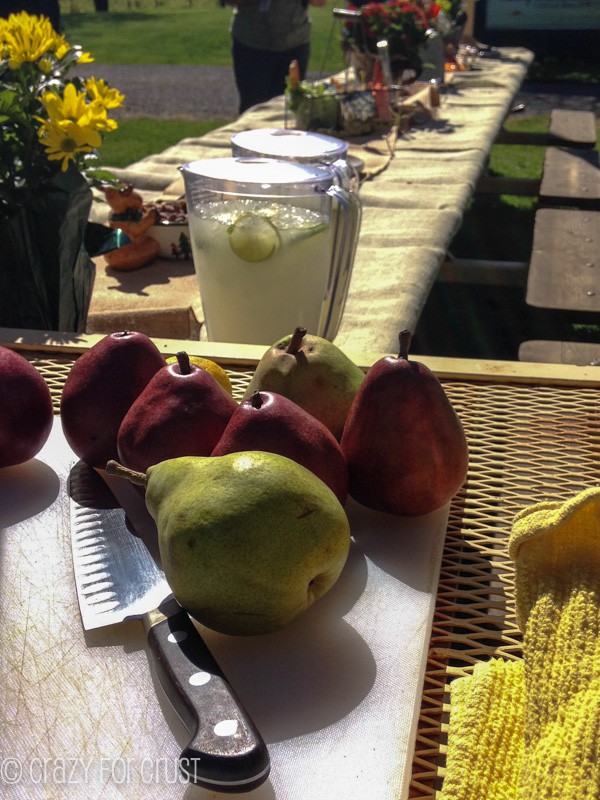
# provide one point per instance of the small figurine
(129, 215)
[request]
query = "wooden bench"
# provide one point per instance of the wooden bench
(549, 352)
(566, 128)
(564, 271)
(570, 178)
(563, 286)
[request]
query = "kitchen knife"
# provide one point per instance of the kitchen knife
(117, 579)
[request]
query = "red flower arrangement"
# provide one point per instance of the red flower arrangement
(403, 24)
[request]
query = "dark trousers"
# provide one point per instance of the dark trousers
(260, 74)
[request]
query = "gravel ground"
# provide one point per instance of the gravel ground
(209, 93)
(159, 91)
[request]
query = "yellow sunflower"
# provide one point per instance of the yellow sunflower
(31, 38)
(75, 106)
(71, 105)
(65, 139)
(98, 89)
(27, 38)
(65, 122)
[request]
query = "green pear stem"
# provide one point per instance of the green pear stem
(114, 468)
(296, 341)
(184, 362)
(256, 400)
(405, 338)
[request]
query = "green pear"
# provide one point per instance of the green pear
(248, 541)
(26, 413)
(312, 372)
(405, 446)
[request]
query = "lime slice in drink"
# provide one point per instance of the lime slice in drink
(253, 237)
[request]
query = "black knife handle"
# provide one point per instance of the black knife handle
(226, 752)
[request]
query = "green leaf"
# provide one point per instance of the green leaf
(99, 176)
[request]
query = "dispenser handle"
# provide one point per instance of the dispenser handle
(345, 241)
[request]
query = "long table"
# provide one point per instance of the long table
(415, 190)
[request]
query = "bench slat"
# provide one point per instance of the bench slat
(567, 128)
(571, 177)
(564, 272)
(576, 127)
(548, 352)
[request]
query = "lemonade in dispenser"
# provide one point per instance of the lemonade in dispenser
(265, 242)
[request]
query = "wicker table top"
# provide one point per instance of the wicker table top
(534, 434)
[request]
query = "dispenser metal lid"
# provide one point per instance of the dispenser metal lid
(258, 176)
(283, 143)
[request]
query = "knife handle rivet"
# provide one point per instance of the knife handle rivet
(199, 678)
(227, 727)
(177, 636)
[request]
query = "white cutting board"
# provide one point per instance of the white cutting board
(336, 695)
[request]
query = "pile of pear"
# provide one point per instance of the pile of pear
(249, 497)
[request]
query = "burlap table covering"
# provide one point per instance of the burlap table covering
(416, 186)
(160, 299)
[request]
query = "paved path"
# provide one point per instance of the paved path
(209, 93)
(187, 92)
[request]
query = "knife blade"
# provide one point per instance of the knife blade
(118, 579)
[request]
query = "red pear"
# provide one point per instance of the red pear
(26, 413)
(269, 422)
(183, 411)
(405, 446)
(100, 388)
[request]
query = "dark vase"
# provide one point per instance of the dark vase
(406, 69)
(46, 274)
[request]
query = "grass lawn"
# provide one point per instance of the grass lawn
(136, 138)
(194, 32)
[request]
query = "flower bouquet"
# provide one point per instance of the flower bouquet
(51, 128)
(403, 25)
(444, 15)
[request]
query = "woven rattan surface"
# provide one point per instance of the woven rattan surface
(527, 443)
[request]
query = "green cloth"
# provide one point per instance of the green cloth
(271, 24)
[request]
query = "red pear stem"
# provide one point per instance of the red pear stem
(256, 400)
(184, 362)
(405, 340)
(114, 468)
(296, 341)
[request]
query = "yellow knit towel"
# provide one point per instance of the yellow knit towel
(485, 737)
(556, 550)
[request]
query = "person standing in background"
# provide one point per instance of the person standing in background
(266, 36)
